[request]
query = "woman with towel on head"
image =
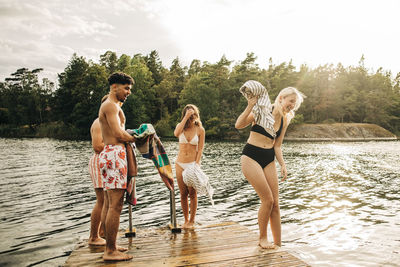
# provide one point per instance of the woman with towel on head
(191, 136)
(269, 124)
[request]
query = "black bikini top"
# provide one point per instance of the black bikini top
(259, 129)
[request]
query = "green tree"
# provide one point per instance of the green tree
(154, 64)
(248, 69)
(24, 100)
(195, 67)
(92, 88)
(71, 89)
(141, 106)
(166, 94)
(394, 109)
(200, 92)
(110, 61)
(280, 76)
(342, 94)
(124, 62)
(177, 74)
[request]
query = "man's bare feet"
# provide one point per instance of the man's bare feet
(263, 243)
(122, 249)
(116, 256)
(97, 242)
(101, 233)
(190, 225)
(185, 225)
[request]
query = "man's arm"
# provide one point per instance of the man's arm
(111, 114)
(278, 150)
(180, 126)
(97, 138)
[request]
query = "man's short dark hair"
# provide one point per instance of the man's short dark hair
(120, 78)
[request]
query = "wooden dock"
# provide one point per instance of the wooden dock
(225, 244)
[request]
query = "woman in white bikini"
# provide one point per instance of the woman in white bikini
(191, 136)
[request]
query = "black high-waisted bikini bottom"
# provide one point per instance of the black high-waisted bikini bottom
(263, 156)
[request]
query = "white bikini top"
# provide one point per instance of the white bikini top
(183, 140)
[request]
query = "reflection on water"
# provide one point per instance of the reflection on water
(340, 205)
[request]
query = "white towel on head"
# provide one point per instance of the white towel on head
(193, 176)
(262, 110)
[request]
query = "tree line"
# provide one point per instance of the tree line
(66, 110)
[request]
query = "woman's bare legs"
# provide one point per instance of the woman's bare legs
(193, 206)
(256, 177)
(275, 217)
(184, 192)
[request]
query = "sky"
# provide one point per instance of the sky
(46, 33)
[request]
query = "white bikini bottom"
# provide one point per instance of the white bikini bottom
(186, 164)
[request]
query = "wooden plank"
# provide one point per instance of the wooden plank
(225, 244)
(229, 252)
(269, 259)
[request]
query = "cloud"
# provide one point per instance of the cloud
(41, 21)
(312, 32)
(33, 54)
(47, 33)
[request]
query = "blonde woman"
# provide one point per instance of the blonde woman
(191, 136)
(258, 158)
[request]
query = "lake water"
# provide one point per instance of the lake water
(340, 205)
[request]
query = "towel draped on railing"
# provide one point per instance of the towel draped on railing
(150, 147)
(132, 173)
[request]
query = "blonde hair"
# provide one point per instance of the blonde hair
(285, 92)
(197, 120)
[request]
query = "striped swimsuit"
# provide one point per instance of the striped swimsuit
(94, 170)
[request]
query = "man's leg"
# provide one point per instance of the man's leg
(95, 220)
(115, 202)
(104, 215)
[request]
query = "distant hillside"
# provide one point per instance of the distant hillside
(338, 132)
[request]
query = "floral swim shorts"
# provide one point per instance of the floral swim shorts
(113, 167)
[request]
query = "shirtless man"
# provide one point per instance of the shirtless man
(96, 225)
(113, 164)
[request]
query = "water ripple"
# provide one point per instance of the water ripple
(340, 204)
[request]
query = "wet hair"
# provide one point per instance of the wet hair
(120, 78)
(197, 120)
(285, 93)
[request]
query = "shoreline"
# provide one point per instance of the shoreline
(342, 132)
(288, 139)
(339, 139)
(335, 132)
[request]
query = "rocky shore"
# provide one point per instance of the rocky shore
(338, 132)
